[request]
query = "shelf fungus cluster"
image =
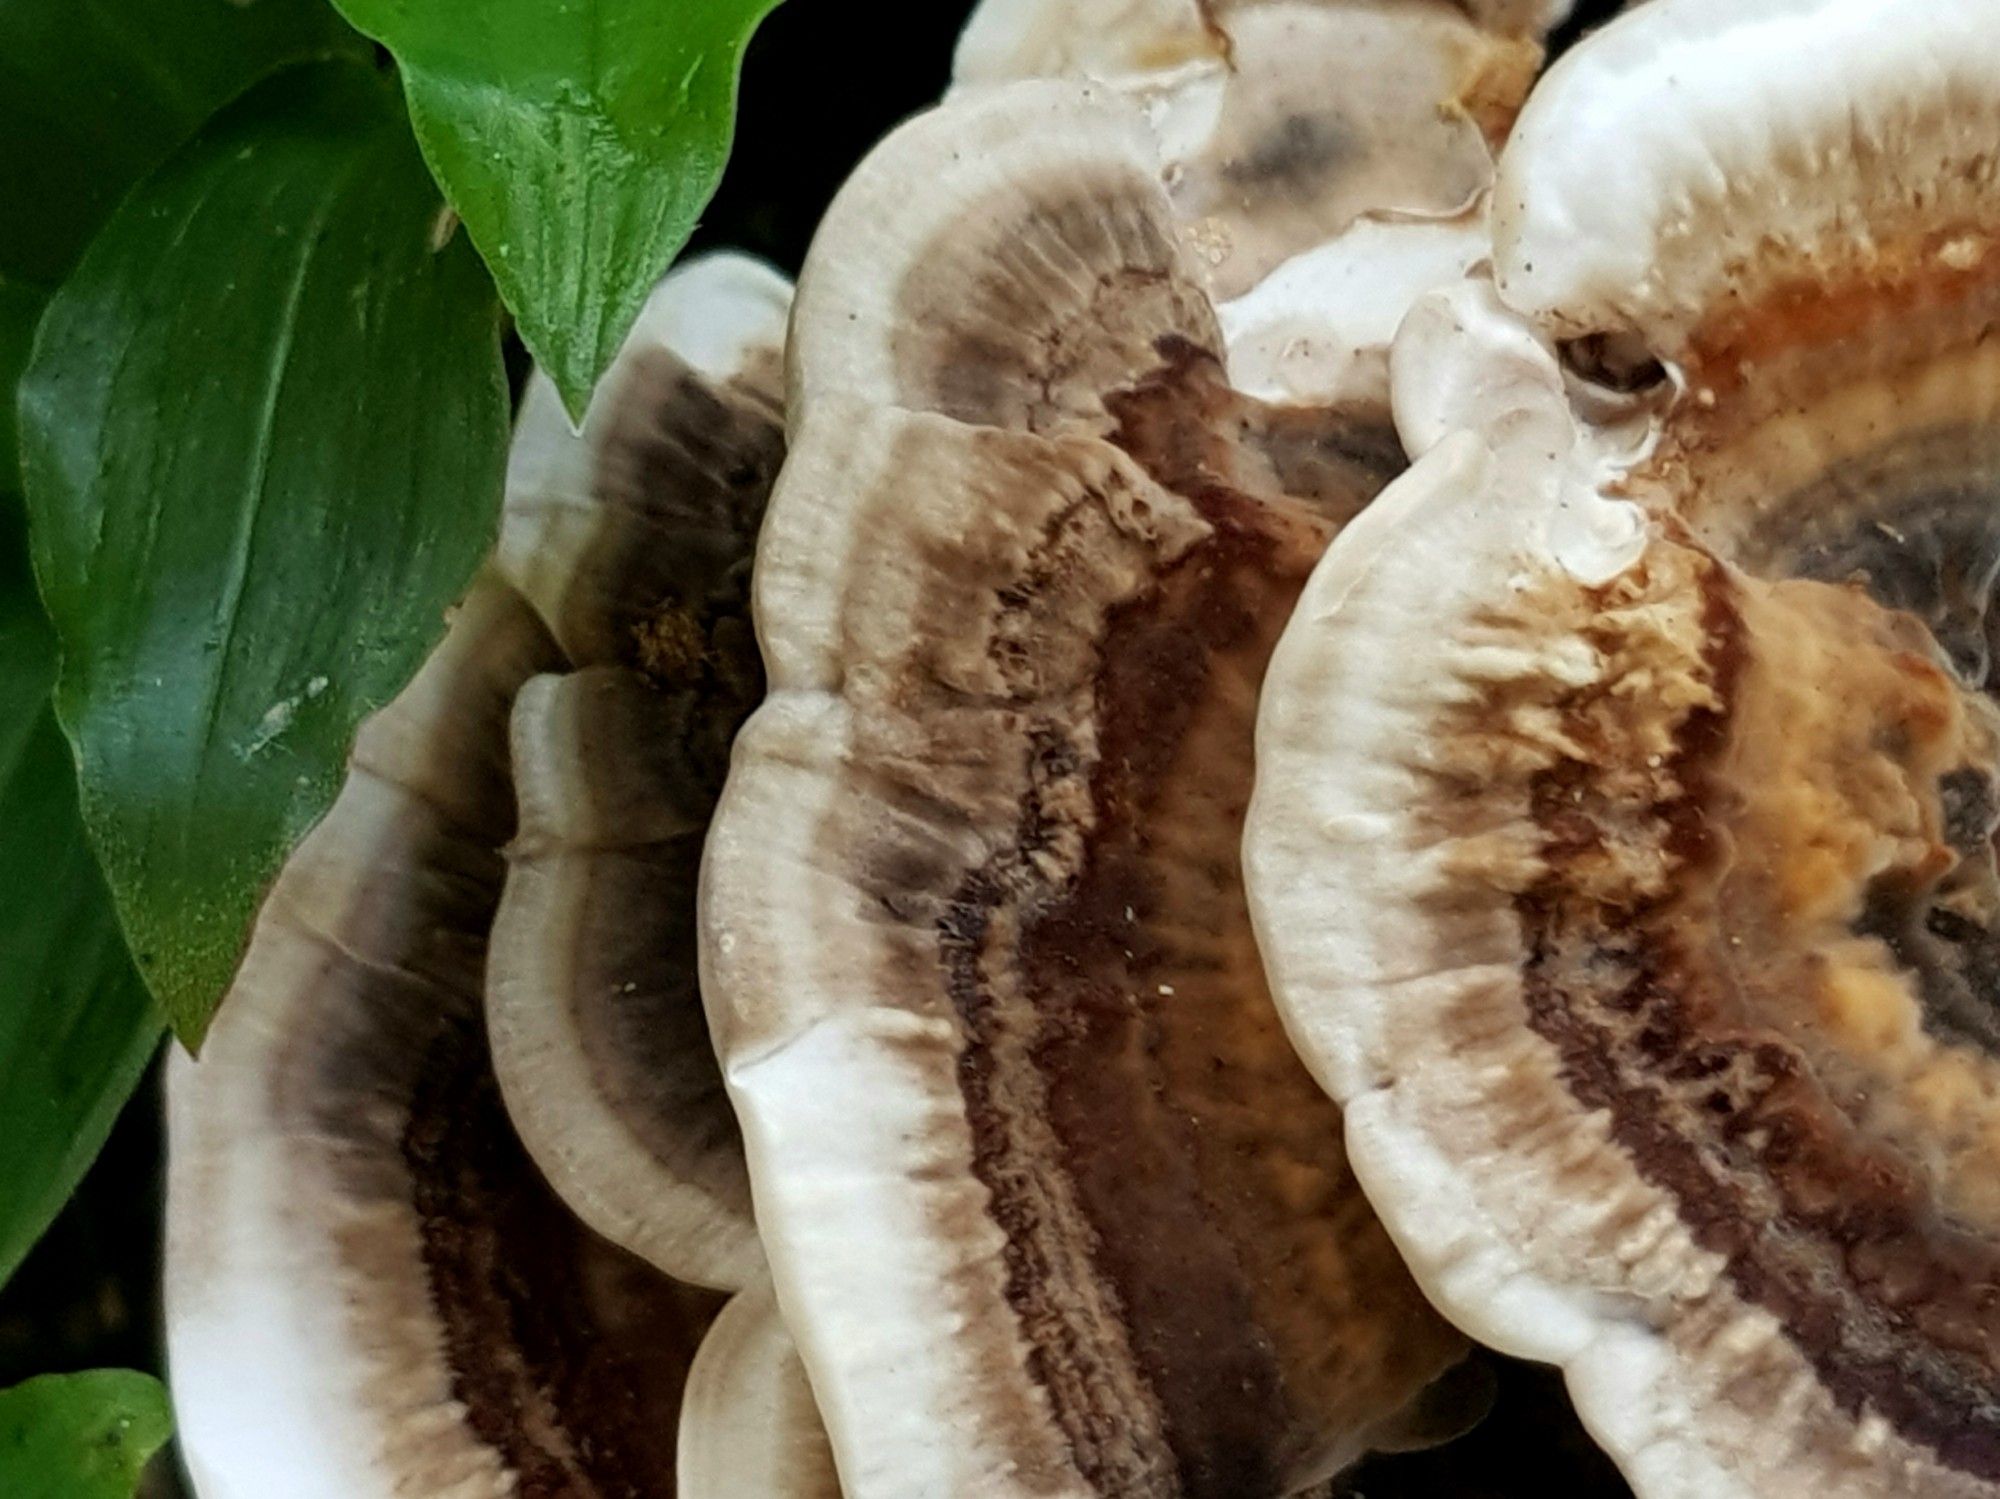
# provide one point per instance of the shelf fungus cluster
(1050, 1205)
(1623, 843)
(1317, 701)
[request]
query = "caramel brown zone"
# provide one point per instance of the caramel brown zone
(1659, 1002)
(1913, 293)
(1211, 1308)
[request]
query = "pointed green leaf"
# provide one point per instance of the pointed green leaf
(578, 139)
(76, 1025)
(80, 1436)
(262, 430)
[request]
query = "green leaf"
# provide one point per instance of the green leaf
(578, 139)
(94, 94)
(80, 1436)
(263, 430)
(76, 1024)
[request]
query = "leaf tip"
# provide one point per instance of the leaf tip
(575, 393)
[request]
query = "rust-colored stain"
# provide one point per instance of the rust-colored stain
(1819, 306)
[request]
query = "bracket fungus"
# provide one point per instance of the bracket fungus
(633, 537)
(1050, 1204)
(372, 1291)
(1622, 852)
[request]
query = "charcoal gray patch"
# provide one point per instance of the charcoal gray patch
(1916, 523)
(1298, 153)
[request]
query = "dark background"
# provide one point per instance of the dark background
(822, 82)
